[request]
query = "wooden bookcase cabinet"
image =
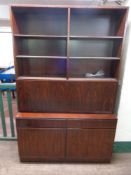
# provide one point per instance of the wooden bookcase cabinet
(54, 49)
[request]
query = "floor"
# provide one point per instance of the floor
(9, 164)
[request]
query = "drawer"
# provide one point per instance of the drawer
(40, 123)
(91, 123)
(52, 120)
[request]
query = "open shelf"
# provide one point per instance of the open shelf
(95, 47)
(41, 47)
(38, 21)
(39, 67)
(97, 22)
(81, 67)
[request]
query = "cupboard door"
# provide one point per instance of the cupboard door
(77, 144)
(90, 144)
(72, 96)
(100, 142)
(91, 96)
(40, 144)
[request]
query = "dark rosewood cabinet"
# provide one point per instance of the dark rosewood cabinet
(67, 61)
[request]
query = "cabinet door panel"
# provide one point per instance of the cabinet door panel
(100, 143)
(41, 144)
(89, 144)
(77, 141)
(66, 96)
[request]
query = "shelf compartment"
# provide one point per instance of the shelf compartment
(95, 47)
(97, 22)
(47, 21)
(41, 47)
(80, 67)
(40, 67)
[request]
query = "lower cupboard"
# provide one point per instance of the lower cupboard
(65, 143)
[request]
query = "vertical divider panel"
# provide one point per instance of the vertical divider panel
(68, 44)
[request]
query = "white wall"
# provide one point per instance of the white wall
(4, 12)
(6, 48)
(124, 112)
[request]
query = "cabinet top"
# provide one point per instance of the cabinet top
(75, 5)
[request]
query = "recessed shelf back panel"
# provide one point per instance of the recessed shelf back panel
(41, 47)
(81, 67)
(98, 22)
(42, 67)
(47, 21)
(94, 47)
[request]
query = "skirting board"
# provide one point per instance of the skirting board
(122, 147)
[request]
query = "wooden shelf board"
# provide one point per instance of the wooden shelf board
(100, 58)
(94, 79)
(65, 36)
(69, 79)
(62, 57)
(32, 56)
(39, 36)
(65, 115)
(95, 37)
(40, 78)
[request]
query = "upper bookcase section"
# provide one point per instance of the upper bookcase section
(40, 21)
(69, 21)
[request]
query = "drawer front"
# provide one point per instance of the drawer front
(40, 123)
(91, 123)
(65, 123)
